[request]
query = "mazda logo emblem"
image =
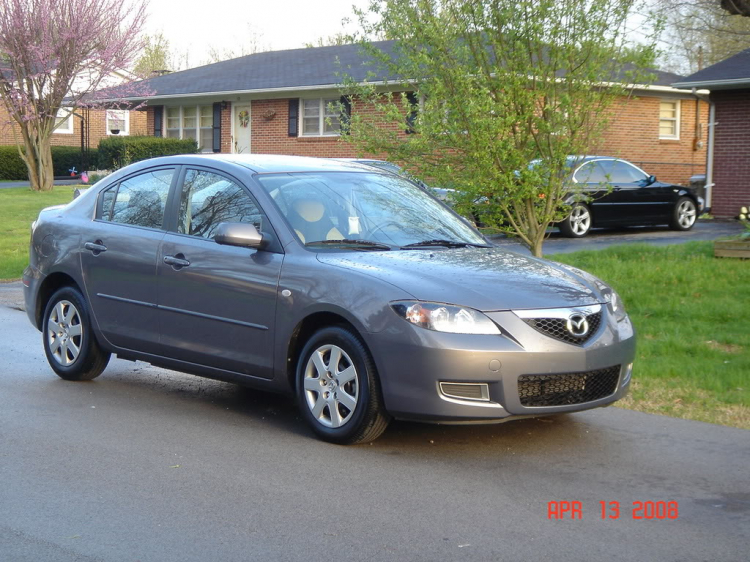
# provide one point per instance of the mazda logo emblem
(577, 325)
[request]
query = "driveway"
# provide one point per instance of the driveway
(8, 184)
(603, 238)
(147, 464)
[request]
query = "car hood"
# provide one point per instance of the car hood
(486, 279)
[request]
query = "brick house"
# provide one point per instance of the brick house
(275, 103)
(728, 173)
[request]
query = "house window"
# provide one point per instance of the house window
(669, 119)
(320, 117)
(118, 120)
(64, 122)
(192, 122)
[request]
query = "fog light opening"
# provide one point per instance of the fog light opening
(466, 391)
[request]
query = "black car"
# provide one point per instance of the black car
(613, 192)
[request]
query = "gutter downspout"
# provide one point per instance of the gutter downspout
(710, 148)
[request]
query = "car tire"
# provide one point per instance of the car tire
(338, 389)
(578, 222)
(69, 341)
(684, 214)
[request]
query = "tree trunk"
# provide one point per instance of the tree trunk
(536, 247)
(38, 160)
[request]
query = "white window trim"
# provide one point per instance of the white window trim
(165, 122)
(321, 118)
(123, 132)
(67, 126)
(676, 119)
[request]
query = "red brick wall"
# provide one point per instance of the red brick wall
(97, 128)
(731, 153)
(633, 134)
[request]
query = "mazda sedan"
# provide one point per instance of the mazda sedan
(352, 289)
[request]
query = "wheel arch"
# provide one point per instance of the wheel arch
(49, 286)
(306, 327)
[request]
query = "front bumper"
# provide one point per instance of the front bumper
(412, 362)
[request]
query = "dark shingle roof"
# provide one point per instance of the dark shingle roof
(286, 70)
(730, 73)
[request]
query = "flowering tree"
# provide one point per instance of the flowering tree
(58, 54)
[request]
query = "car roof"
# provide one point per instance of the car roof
(264, 163)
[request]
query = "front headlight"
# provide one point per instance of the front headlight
(445, 318)
(613, 300)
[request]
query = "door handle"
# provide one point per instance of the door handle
(95, 247)
(176, 262)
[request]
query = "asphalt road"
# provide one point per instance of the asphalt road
(600, 238)
(144, 464)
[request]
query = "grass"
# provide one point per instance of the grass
(18, 208)
(691, 312)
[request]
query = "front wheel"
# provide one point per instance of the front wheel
(338, 389)
(684, 214)
(578, 222)
(69, 342)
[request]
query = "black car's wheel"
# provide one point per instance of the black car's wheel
(338, 389)
(69, 342)
(578, 222)
(684, 214)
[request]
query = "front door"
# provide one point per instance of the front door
(217, 304)
(242, 129)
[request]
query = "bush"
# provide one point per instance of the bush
(63, 159)
(116, 152)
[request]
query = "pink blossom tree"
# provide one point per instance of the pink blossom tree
(58, 55)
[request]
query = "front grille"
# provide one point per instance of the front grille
(563, 389)
(556, 328)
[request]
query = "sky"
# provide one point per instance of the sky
(193, 27)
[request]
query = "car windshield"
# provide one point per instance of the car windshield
(359, 207)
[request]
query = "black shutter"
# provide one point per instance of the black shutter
(158, 120)
(217, 127)
(411, 117)
(293, 117)
(346, 114)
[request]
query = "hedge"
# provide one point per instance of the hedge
(116, 152)
(63, 159)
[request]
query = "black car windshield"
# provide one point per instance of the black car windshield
(360, 207)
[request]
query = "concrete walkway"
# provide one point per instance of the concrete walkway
(8, 184)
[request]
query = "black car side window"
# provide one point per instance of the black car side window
(622, 172)
(591, 172)
(208, 199)
(138, 201)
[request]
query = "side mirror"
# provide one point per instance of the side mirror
(238, 234)
(650, 180)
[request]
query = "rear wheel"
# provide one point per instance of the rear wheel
(684, 214)
(69, 342)
(578, 222)
(338, 389)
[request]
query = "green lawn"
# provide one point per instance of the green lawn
(18, 208)
(691, 312)
(692, 315)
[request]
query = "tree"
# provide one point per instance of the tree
(250, 44)
(331, 41)
(498, 94)
(156, 56)
(55, 54)
(700, 33)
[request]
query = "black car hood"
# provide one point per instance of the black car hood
(486, 279)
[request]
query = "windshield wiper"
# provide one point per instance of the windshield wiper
(363, 244)
(445, 243)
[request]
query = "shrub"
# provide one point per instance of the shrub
(63, 159)
(116, 152)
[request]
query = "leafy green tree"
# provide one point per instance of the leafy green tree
(497, 94)
(156, 56)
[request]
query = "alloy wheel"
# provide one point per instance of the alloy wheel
(331, 386)
(65, 333)
(686, 214)
(580, 220)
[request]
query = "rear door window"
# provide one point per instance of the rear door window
(139, 200)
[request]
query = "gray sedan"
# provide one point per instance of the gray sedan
(352, 289)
